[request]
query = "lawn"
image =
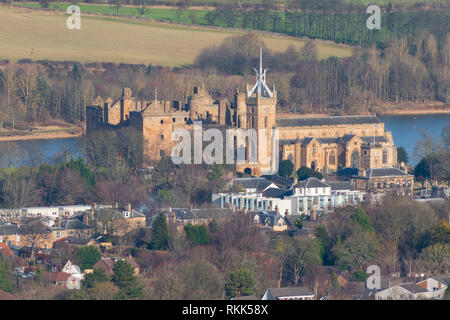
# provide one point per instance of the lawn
(40, 35)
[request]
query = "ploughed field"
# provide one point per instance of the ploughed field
(41, 35)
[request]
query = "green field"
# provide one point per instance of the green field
(289, 2)
(339, 27)
(40, 35)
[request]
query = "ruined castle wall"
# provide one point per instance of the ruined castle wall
(114, 113)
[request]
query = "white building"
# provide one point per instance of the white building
(304, 197)
(293, 293)
(430, 288)
(49, 214)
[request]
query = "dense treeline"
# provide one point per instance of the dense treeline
(433, 154)
(333, 20)
(67, 181)
(37, 92)
(399, 235)
(405, 71)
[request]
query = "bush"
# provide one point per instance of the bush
(359, 276)
(304, 173)
(197, 234)
(286, 168)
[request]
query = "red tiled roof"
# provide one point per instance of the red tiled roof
(5, 250)
(106, 264)
(56, 276)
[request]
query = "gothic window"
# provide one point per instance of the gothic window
(384, 156)
(314, 150)
(355, 159)
(265, 122)
(162, 121)
(332, 159)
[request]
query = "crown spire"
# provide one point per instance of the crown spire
(260, 86)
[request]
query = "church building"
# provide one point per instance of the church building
(324, 144)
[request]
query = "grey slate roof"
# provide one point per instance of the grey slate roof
(290, 291)
(73, 224)
(347, 137)
(74, 240)
(311, 183)
(210, 213)
(325, 121)
(386, 172)
(245, 298)
(276, 193)
(369, 139)
(252, 183)
(340, 185)
(280, 181)
(269, 217)
(13, 229)
(306, 141)
(414, 288)
(328, 140)
(9, 230)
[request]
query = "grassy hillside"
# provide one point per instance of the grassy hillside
(344, 26)
(42, 35)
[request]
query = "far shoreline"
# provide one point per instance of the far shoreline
(413, 113)
(42, 136)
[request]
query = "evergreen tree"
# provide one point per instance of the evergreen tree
(90, 279)
(160, 233)
(304, 173)
(241, 283)
(197, 234)
(286, 168)
(124, 278)
(402, 156)
(362, 219)
(88, 256)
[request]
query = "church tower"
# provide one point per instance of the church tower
(261, 109)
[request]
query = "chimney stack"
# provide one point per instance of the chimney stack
(58, 222)
(93, 211)
(129, 207)
(86, 218)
